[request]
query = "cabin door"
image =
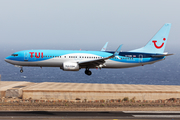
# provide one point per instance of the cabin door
(26, 56)
(140, 58)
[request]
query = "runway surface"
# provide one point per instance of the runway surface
(66, 115)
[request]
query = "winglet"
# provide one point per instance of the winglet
(105, 46)
(118, 50)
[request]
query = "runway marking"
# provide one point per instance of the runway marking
(157, 116)
(151, 111)
(154, 114)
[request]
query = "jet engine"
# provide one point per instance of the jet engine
(68, 66)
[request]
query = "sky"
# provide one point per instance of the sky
(85, 24)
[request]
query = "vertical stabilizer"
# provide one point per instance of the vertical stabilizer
(157, 43)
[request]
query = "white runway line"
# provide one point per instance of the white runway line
(157, 116)
(151, 111)
(154, 112)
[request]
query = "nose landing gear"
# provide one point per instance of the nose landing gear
(21, 71)
(88, 72)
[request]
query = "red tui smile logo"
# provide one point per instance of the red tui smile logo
(158, 47)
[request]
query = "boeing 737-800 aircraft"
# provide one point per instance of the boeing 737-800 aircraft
(71, 60)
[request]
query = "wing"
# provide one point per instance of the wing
(94, 63)
(98, 62)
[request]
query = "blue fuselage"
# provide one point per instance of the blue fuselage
(56, 58)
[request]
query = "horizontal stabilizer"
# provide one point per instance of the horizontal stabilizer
(158, 56)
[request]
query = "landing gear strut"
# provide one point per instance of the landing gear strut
(21, 71)
(88, 72)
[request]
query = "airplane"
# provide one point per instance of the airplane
(74, 60)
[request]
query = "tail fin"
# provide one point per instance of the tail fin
(158, 42)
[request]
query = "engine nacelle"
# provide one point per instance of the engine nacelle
(68, 66)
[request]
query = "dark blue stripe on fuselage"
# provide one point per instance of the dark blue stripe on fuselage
(134, 54)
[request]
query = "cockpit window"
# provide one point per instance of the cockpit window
(14, 55)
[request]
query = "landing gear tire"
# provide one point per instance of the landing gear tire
(21, 71)
(88, 72)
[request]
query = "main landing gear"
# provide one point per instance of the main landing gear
(88, 72)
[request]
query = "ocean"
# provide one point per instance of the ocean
(166, 72)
